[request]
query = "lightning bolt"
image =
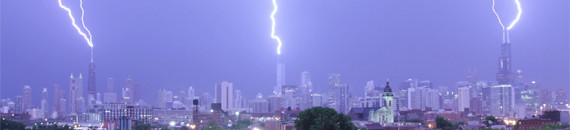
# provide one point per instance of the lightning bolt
(519, 9)
(83, 23)
(505, 30)
(88, 37)
(273, 27)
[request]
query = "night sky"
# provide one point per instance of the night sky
(174, 44)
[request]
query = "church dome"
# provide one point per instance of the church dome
(387, 88)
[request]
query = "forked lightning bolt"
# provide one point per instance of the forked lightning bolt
(87, 37)
(273, 27)
(517, 18)
(519, 9)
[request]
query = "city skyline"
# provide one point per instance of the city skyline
(185, 54)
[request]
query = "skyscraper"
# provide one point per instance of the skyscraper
(502, 100)
(44, 102)
(110, 96)
(238, 100)
(136, 93)
(463, 99)
(505, 75)
(191, 93)
(27, 98)
(561, 98)
(433, 99)
(224, 95)
(18, 104)
(289, 95)
(73, 89)
(91, 85)
(79, 85)
(259, 105)
(128, 91)
(164, 97)
(343, 99)
(306, 81)
(205, 101)
(275, 102)
(56, 99)
(334, 82)
(280, 78)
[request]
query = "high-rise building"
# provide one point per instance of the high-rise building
(280, 78)
(224, 95)
(110, 96)
(44, 102)
(433, 99)
(546, 98)
(317, 100)
(306, 81)
(464, 98)
(259, 105)
(416, 98)
(205, 101)
(110, 86)
(561, 99)
(191, 93)
(403, 97)
(56, 99)
(91, 86)
(75, 93)
(27, 98)
(505, 75)
(502, 100)
(136, 93)
(128, 91)
(290, 99)
(343, 99)
(426, 84)
(79, 85)
(372, 95)
(164, 97)
(238, 100)
(275, 103)
(73, 89)
(531, 97)
(334, 82)
(18, 104)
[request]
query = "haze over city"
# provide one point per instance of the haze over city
(176, 44)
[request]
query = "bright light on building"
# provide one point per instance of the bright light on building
(172, 123)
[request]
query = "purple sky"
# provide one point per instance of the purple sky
(174, 44)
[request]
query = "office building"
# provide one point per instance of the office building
(224, 95)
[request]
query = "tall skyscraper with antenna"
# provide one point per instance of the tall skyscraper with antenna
(505, 74)
(91, 85)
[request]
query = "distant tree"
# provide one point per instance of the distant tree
(51, 127)
(443, 124)
(11, 125)
(490, 120)
(242, 124)
(319, 118)
(414, 120)
(553, 127)
(212, 126)
(142, 126)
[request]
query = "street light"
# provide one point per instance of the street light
(237, 115)
(192, 126)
